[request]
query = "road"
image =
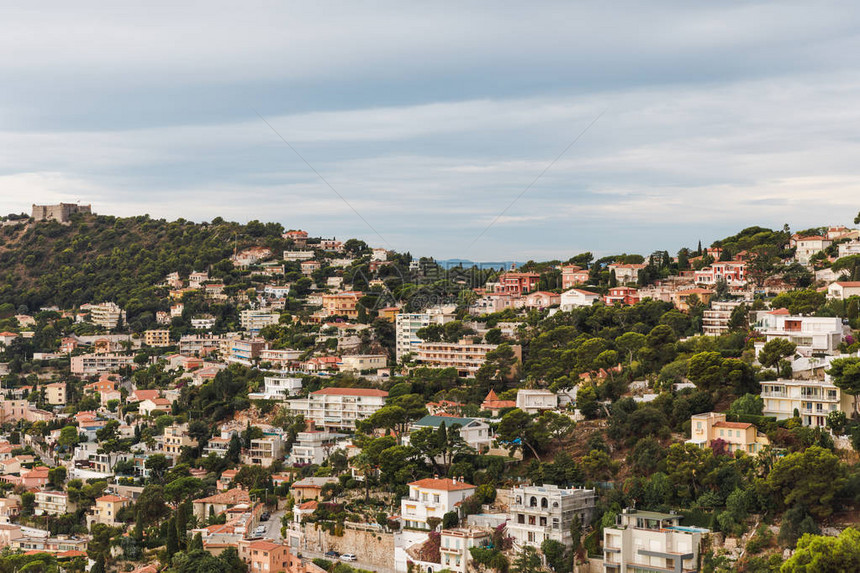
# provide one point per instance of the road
(354, 564)
(273, 526)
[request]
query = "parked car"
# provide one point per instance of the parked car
(265, 516)
(261, 529)
(348, 557)
(332, 553)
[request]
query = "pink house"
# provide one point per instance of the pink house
(542, 299)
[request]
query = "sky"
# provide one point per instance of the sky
(479, 130)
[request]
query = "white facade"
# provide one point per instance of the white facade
(809, 246)
(276, 291)
(432, 497)
(107, 315)
(277, 388)
(407, 326)
(298, 255)
(849, 248)
(475, 432)
(812, 399)
(811, 334)
(455, 544)
(313, 447)
(842, 290)
(577, 298)
(650, 541)
(339, 408)
(203, 322)
(546, 512)
(536, 401)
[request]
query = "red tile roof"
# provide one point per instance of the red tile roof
(112, 498)
(442, 484)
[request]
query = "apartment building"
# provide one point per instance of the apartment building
(264, 451)
(52, 503)
(97, 363)
(464, 355)
(341, 304)
(175, 438)
(715, 320)
(244, 351)
(55, 393)
(339, 408)
(812, 334)
(407, 326)
(256, 320)
(277, 387)
(156, 338)
(313, 447)
(535, 401)
(651, 541)
(709, 427)
(432, 497)
(199, 344)
(203, 322)
(282, 358)
(813, 400)
(546, 512)
(362, 362)
(107, 315)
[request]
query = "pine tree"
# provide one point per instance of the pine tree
(699, 249)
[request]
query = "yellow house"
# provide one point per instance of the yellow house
(105, 510)
(706, 428)
(55, 393)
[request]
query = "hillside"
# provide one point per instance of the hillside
(99, 258)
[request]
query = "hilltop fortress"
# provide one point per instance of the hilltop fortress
(60, 212)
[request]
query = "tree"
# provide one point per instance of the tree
(157, 464)
(823, 554)
(69, 437)
(99, 565)
(739, 318)
(845, 373)
(57, 477)
(748, 404)
(527, 561)
(518, 428)
(811, 478)
(705, 370)
(557, 556)
(630, 343)
(775, 350)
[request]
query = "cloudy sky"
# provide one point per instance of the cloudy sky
(430, 118)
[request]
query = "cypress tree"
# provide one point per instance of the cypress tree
(172, 538)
